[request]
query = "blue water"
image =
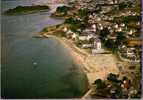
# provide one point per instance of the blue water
(35, 67)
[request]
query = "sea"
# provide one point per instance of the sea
(36, 67)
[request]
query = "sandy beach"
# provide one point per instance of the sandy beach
(95, 66)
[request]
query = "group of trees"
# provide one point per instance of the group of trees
(125, 5)
(109, 43)
(112, 88)
(76, 24)
(82, 13)
(71, 21)
(63, 9)
(127, 19)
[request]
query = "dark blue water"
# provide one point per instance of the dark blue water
(36, 68)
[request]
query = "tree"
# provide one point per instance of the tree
(100, 84)
(82, 13)
(113, 77)
(72, 21)
(63, 9)
(104, 33)
(120, 38)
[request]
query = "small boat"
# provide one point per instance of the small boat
(34, 63)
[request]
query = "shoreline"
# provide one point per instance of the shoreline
(92, 65)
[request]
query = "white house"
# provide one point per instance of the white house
(116, 26)
(119, 29)
(87, 45)
(90, 36)
(65, 29)
(130, 53)
(130, 32)
(109, 27)
(111, 30)
(90, 16)
(74, 36)
(82, 38)
(111, 2)
(100, 27)
(138, 23)
(122, 25)
(98, 19)
(97, 44)
(69, 32)
(94, 27)
(79, 30)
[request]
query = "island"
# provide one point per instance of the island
(27, 9)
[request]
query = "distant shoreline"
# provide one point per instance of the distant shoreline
(20, 10)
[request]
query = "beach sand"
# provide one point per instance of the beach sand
(95, 66)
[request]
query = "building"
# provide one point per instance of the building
(97, 47)
(65, 29)
(97, 44)
(69, 33)
(119, 29)
(82, 38)
(87, 46)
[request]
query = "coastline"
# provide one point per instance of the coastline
(92, 65)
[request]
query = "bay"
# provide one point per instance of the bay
(36, 68)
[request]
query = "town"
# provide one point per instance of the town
(106, 27)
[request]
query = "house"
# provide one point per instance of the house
(97, 44)
(74, 36)
(112, 36)
(94, 27)
(100, 27)
(90, 16)
(87, 46)
(86, 37)
(119, 29)
(65, 29)
(111, 2)
(130, 32)
(111, 31)
(82, 38)
(122, 25)
(116, 1)
(138, 23)
(69, 33)
(116, 26)
(98, 19)
(90, 36)
(130, 52)
(109, 27)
